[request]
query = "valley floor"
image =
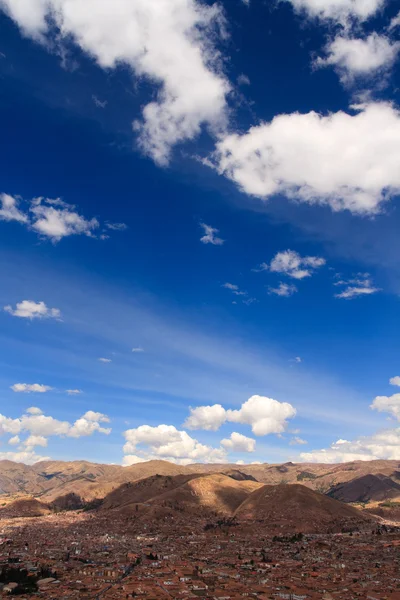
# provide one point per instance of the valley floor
(78, 555)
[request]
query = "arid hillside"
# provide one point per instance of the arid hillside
(295, 508)
(27, 507)
(48, 481)
(368, 488)
(207, 500)
(190, 495)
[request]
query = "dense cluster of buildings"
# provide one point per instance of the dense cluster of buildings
(81, 556)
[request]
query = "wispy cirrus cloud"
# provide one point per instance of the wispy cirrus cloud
(359, 285)
(211, 235)
(242, 294)
(284, 289)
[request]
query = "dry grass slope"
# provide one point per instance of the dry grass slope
(289, 508)
(27, 507)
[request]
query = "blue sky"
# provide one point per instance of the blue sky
(205, 196)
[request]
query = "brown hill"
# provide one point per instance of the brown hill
(184, 495)
(216, 493)
(106, 478)
(144, 490)
(296, 508)
(368, 488)
(321, 477)
(27, 507)
(18, 478)
(389, 510)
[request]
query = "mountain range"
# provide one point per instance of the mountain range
(52, 479)
(289, 497)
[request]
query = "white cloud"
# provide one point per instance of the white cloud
(170, 42)
(234, 289)
(52, 218)
(35, 423)
(137, 349)
(339, 10)
(265, 415)
(8, 425)
(35, 440)
(297, 441)
(354, 292)
(28, 457)
(389, 404)
(31, 387)
(239, 443)
(384, 445)
(360, 285)
(347, 161)
(43, 425)
(132, 459)
(395, 22)
(56, 223)
(292, 264)
(28, 309)
(117, 226)
(355, 57)
(9, 209)
(297, 359)
(210, 235)
(73, 392)
(395, 381)
(91, 415)
(33, 429)
(89, 424)
(105, 360)
(284, 289)
(209, 418)
(34, 410)
(168, 443)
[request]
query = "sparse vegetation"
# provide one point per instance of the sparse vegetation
(297, 537)
(306, 476)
